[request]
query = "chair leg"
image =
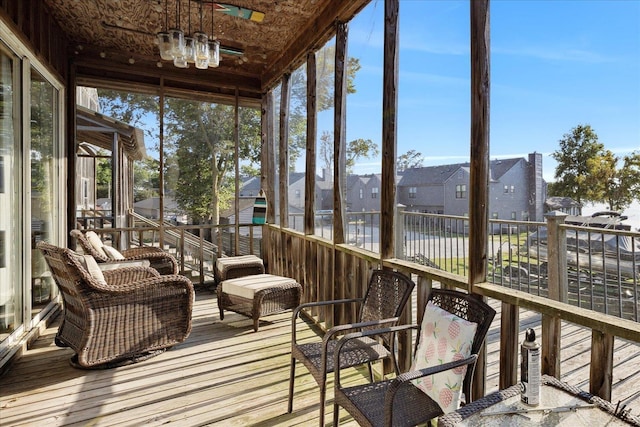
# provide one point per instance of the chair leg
(323, 398)
(292, 375)
(370, 371)
(336, 410)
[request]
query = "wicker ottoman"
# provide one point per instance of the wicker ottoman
(237, 266)
(258, 295)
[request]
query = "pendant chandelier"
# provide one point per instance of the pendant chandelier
(191, 48)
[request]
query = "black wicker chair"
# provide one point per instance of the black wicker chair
(398, 402)
(118, 316)
(385, 298)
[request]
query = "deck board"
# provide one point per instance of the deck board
(225, 374)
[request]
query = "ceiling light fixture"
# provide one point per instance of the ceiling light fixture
(184, 49)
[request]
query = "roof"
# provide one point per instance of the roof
(435, 175)
(260, 39)
(98, 130)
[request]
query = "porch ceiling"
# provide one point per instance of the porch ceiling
(106, 35)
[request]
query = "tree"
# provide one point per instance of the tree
(199, 146)
(146, 175)
(356, 149)
(619, 187)
(325, 95)
(576, 157)
(587, 172)
(408, 160)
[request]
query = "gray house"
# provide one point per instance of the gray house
(517, 190)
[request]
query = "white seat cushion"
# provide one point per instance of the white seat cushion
(246, 287)
(223, 264)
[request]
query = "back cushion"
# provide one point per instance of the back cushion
(444, 337)
(89, 263)
(112, 253)
(95, 241)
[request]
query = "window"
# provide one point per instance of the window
(461, 191)
(298, 194)
(494, 215)
(514, 215)
(513, 188)
(506, 188)
(525, 216)
(412, 192)
(374, 193)
(361, 193)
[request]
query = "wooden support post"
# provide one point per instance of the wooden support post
(479, 170)
(283, 151)
(310, 167)
(557, 268)
(601, 369)
(509, 345)
(236, 144)
(389, 128)
(339, 133)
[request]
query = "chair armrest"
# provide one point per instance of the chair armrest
(298, 310)
(404, 380)
(114, 265)
(142, 250)
(126, 275)
(361, 334)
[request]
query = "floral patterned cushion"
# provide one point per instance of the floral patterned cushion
(444, 337)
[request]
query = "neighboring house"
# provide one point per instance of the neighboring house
(363, 193)
(517, 189)
(563, 204)
(150, 208)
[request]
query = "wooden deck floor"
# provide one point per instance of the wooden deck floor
(225, 374)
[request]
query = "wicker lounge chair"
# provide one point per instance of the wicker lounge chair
(398, 402)
(162, 261)
(385, 298)
(118, 316)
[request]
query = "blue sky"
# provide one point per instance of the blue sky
(554, 65)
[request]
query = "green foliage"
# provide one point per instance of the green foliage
(325, 96)
(408, 160)
(146, 174)
(356, 149)
(587, 172)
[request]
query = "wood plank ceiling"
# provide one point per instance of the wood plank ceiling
(116, 40)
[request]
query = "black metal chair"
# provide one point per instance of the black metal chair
(385, 298)
(398, 402)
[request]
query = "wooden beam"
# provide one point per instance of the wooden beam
(236, 139)
(389, 129)
(312, 128)
(339, 133)
(509, 345)
(283, 151)
(312, 37)
(479, 170)
(606, 323)
(270, 174)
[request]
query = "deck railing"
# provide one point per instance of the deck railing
(330, 271)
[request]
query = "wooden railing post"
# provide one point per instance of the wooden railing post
(509, 344)
(557, 283)
(400, 231)
(601, 369)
